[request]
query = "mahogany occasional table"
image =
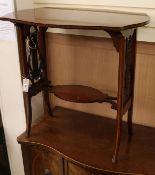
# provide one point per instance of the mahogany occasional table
(62, 133)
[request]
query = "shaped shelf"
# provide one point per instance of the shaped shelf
(81, 94)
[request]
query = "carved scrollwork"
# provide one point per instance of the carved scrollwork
(33, 66)
(34, 61)
(128, 35)
(128, 85)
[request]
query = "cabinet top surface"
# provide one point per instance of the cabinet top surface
(87, 140)
(78, 19)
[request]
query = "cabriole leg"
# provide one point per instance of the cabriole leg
(125, 44)
(120, 96)
(32, 55)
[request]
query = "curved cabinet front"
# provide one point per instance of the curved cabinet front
(39, 161)
(73, 169)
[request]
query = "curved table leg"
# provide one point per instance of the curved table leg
(120, 96)
(125, 44)
(118, 138)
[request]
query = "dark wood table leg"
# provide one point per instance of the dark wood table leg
(32, 56)
(120, 96)
(42, 46)
(21, 35)
(125, 44)
(132, 68)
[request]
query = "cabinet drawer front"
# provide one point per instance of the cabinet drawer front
(41, 162)
(76, 170)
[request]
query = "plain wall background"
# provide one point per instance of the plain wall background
(11, 99)
(146, 33)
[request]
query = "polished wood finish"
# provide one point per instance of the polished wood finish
(83, 19)
(122, 27)
(81, 94)
(42, 46)
(76, 170)
(87, 141)
(41, 161)
(103, 75)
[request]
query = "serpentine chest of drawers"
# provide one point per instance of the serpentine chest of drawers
(70, 142)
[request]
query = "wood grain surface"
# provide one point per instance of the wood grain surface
(87, 140)
(82, 19)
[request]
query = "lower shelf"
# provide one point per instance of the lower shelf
(82, 94)
(87, 140)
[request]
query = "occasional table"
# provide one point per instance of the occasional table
(31, 27)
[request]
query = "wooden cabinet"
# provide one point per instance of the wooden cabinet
(67, 142)
(73, 169)
(38, 160)
(73, 142)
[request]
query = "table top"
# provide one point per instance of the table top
(78, 19)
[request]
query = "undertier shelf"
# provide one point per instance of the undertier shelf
(81, 94)
(88, 140)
